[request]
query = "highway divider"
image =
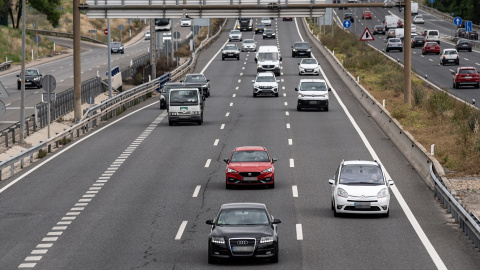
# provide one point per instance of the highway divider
(425, 164)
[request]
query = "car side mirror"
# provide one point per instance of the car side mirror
(299, 64)
(274, 160)
(296, 89)
(209, 222)
(208, 80)
(453, 72)
(18, 75)
(329, 89)
(226, 160)
(331, 181)
(391, 183)
(276, 221)
(280, 58)
(253, 81)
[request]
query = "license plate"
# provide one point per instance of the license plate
(308, 70)
(249, 178)
(301, 53)
(242, 249)
(183, 117)
(313, 102)
(468, 77)
(230, 54)
(450, 60)
(432, 48)
(362, 205)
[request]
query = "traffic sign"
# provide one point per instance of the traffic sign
(2, 109)
(3, 91)
(92, 31)
(49, 83)
(176, 35)
(367, 36)
(53, 97)
(105, 31)
(347, 23)
(457, 21)
(36, 39)
(120, 27)
(468, 26)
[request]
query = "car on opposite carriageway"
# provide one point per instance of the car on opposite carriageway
(33, 77)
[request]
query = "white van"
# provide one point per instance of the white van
(433, 35)
(414, 9)
(268, 58)
(390, 22)
(185, 105)
(399, 33)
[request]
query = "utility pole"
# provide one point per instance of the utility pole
(407, 67)
(22, 96)
(77, 64)
(109, 68)
(153, 55)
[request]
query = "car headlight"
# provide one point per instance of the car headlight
(266, 239)
(268, 170)
(342, 193)
(382, 193)
(300, 95)
(259, 66)
(36, 79)
(231, 170)
(308, 50)
(173, 113)
(224, 52)
(218, 240)
(294, 50)
(196, 112)
(273, 34)
(276, 65)
(264, 33)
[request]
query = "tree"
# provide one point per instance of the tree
(47, 7)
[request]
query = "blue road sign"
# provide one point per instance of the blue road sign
(457, 21)
(347, 23)
(468, 26)
(431, 1)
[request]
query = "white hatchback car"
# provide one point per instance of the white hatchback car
(186, 22)
(235, 35)
(266, 21)
(418, 19)
(360, 187)
(449, 56)
(308, 66)
(312, 93)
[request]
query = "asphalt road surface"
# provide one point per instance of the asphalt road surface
(136, 193)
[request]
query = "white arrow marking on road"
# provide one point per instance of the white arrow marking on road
(180, 230)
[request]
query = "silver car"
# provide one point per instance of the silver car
(249, 45)
(394, 44)
(266, 21)
(235, 35)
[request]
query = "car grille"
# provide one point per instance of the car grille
(248, 174)
(265, 87)
(242, 246)
(268, 66)
(372, 208)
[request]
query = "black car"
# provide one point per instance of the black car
(301, 49)
(230, 51)
(165, 92)
(117, 47)
(460, 33)
(269, 33)
(464, 44)
(199, 81)
(259, 28)
(33, 78)
(243, 230)
(418, 41)
(349, 16)
(379, 29)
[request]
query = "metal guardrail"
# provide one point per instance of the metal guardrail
(5, 65)
(441, 14)
(93, 116)
(63, 34)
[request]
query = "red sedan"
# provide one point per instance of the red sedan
(400, 24)
(367, 15)
(250, 165)
(431, 47)
(466, 76)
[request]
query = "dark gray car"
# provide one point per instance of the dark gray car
(230, 51)
(166, 92)
(33, 78)
(117, 47)
(199, 81)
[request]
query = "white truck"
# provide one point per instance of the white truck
(390, 22)
(414, 9)
(185, 105)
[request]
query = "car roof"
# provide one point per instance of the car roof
(250, 148)
(243, 205)
(174, 83)
(312, 80)
(360, 162)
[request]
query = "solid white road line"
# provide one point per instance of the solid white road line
(406, 209)
(299, 232)
(290, 142)
(208, 163)
(180, 230)
(292, 163)
(197, 189)
(216, 142)
(295, 191)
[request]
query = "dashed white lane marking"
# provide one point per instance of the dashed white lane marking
(8, 104)
(430, 60)
(292, 163)
(35, 92)
(283, 87)
(287, 113)
(39, 251)
(466, 59)
(290, 142)
(33, 258)
(207, 164)
(243, 68)
(236, 88)
(295, 191)
(222, 126)
(239, 80)
(244, 63)
(60, 81)
(241, 74)
(288, 125)
(451, 70)
(216, 142)
(286, 103)
(281, 80)
(477, 64)
(284, 94)
(197, 190)
(27, 265)
(231, 104)
(180, 230)
(49, 239)
(227, 114)
(299, 232)
(234, 95)
(44, 245)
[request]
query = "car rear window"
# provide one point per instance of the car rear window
(265, 79)
(230, 47)
(468, 71)
(432, 33)
(394, 40)
(431, 44)
(450, 52)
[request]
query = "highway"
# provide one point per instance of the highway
(422, 64)
(94, 59)
(135, 194)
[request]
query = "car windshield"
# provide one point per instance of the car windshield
(432, 33)
(260, 26)
(30, 73)
(235, 32)
(269, 31)
(431, 44)
(301, 45)
(309, 61)
(249, 156)
(230, 47)
(265, 19)
(267, 56)
(185, 20)
(242, 217)
(419, 16)
(248, 41)
(361, 174)
(468, 71)
(313, 86)
(195, 78)
(464, 41)
(265, 79)
(184, 96)
(116, 44)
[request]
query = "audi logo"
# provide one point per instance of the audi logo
(242, 242)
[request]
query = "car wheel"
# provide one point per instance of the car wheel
(254, 95)
(276, 94)
(293, 55)
(208, 93)
(299, 108)
(454, 85)
(332, 205)
(326, 108)
(227, 186)
(478, 85)
(401, 50)
(299, 73)
(211, 259)
(423, 53)
(271, 186)
(123, 52)
(263, 37)
(470, 50)
(387, 50)
(238, 58)
(274, 259)
(438, 53)
(223, 59)
(386, 215)
(170, 123)
(335, 213)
